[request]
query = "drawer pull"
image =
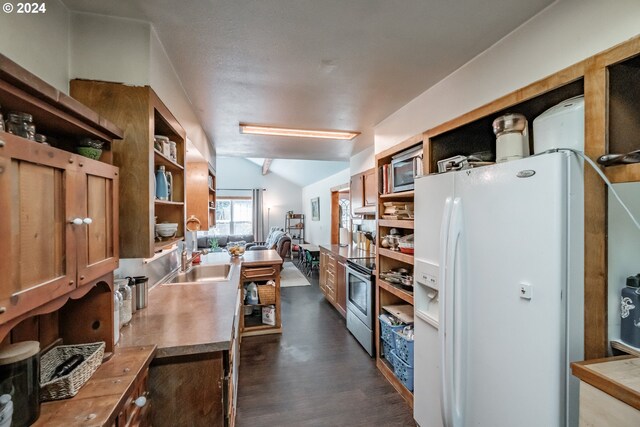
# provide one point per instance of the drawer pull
(140, 401)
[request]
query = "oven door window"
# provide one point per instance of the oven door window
(358, 292)
(403, 173)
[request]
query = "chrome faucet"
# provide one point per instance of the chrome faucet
(185, 261)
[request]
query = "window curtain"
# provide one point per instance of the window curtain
(258, 216)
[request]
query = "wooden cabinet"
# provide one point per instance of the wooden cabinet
(341, 287)
(251, 324)
(234, 363)
(201, 194)
(57, 207)
(117, 394)
(363, 192)
(356, 193)
(333, 279)
(142, 114)
(61, 213)
(370, 188)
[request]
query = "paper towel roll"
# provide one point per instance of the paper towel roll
(344, 237)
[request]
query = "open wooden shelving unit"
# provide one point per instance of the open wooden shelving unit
(141, 113)
(387, 293)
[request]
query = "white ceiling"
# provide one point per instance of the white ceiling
(328, 64)
(303, 172)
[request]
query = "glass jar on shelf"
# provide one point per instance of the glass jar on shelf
(127, 298)
(21, 124)
(173, 151)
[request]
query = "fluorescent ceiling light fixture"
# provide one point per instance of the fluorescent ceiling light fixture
(253, 129)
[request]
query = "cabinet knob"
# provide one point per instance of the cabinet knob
(140, 401)
(81, 277)
(71, 282)
(76, 221)
(1, 143)
(87, 220)
(3, 309)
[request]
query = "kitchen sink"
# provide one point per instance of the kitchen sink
(203, 273)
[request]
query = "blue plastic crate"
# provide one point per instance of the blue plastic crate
(402, 371)
(386, 332)
(404, 348)
(386, 352)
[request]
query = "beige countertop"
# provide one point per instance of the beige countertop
(348, 252)
(184, 319)
(617, 376)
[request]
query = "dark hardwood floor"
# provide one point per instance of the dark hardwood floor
(315, 374)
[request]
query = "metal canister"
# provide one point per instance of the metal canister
(142, 291)
(134, 294)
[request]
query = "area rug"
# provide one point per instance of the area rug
(290, 276)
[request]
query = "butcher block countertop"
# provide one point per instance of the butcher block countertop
(183, 319)
(619, 377)
(348, 252)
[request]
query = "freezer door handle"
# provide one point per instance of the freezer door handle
(450, 332)
(443, 279)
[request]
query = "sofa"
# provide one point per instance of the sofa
(277, 240)
(224, 240)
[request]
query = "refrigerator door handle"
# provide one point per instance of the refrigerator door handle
(455, 327)
(443, 279)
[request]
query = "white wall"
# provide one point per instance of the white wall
(364, 160)
(109, 49)
(39, 43)
(319, 232)
(61, 45)
(566, 32)
(164, 80)
(280, 195)
(623, 250)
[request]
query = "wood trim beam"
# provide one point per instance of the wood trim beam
(595, 214)
(266, 165)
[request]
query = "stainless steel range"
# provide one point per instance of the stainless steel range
(360, 301)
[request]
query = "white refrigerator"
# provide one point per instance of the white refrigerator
(499, 294)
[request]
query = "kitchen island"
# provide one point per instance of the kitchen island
(196, 328)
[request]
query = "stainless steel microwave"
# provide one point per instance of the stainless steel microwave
(405, 167)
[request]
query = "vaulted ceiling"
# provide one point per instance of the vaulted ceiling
(328, 64)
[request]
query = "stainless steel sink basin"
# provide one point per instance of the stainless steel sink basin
(204, 273)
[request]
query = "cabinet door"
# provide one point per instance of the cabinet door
(98, 206)
(341, 287)
(37, 191)
(323, 271)
(370, 188)
(356, 193)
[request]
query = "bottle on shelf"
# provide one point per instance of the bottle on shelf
(630, 312)
(162, 185)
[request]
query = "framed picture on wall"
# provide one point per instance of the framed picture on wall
(315, 209)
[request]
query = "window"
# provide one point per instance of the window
(345, 213)
(234, 215)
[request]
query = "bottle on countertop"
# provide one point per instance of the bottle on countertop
(630, 312)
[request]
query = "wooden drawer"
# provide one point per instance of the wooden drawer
(259, 273)
(132, 414)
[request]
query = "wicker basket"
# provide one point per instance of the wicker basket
(70, 384)
(267, 294)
